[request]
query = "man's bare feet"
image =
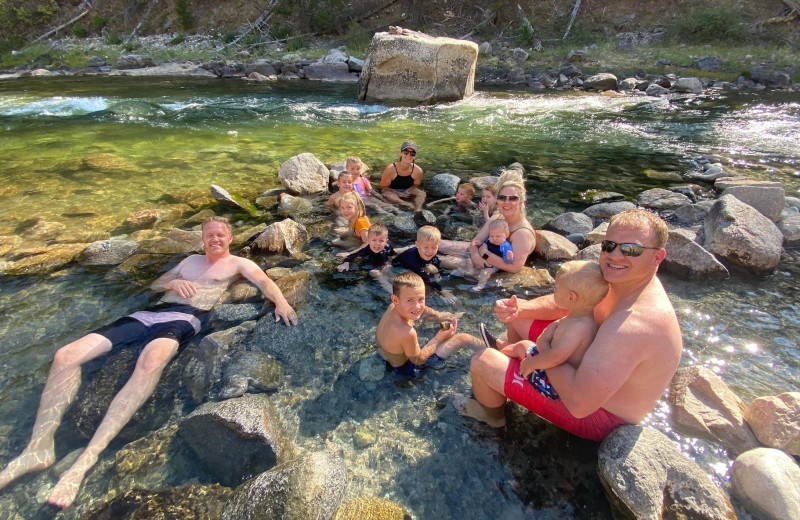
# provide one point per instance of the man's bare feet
(65, 491)
(31, 460)
(471, 408)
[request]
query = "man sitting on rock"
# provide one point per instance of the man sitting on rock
(625, 369)
(191, 288)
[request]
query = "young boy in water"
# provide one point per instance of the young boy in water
(398, 343)
(345, 184)
(376, 254)
(579, 287)
(498, 244)
(462, 201)
(421, 259)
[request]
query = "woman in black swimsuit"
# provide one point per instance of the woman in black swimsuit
(401, 179)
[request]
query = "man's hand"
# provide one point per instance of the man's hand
(285, 312)
(506, 310)
(183, 288)
(343, 267)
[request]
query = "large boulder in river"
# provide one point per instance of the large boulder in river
(768, 200)
(237, 438)
(770, 78)
(552, 246)
(284, 236)
(741, 235)
(310, 486)
(304, 174)
(646, 476)
(688, 258)
(571, 223)
(688, 85)
(659, 198)
(414, 68)
(443, 185)
(775, 420)
(108, 252)
(602, 81)
(767, 482)
(703, 406)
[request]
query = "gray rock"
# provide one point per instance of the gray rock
(711, 173)
(334, 56)
(175, 242)
(443, 185)
(628, 84)
(285, 236)
(108, 252)
(304, 174)
(659, 198)
(236, 438)
(693, 213)
(577, 56)
(519, 55)
(790, 227)
(704, 406)
(402, 226)
(424, 217)
(552, 246)
(767, 482)
(192, 502)
(600, 82)
(743, 236)
(591, 253)
(250, 371)
(145, 218)
(775, 421)
(310, 486)
(608, 209)
(96, 62)
(688, 258)
(768, 200)
(656, 90)
(569, 223)
(598, 234)
(291, 205)
(645, 476)
(485, 49)
(134, 61)
(516, 76)
(355, 64)
(709, 63)
(598, 197)
(725, 182)
(226, 313)
(417, 69)
(334, 71)
(770, 78)
(222, 195)
(688, 85)
(264, 68)
(793, 202)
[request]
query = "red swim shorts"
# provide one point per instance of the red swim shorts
(517, 388)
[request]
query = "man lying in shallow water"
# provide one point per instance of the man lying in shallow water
(191, 289)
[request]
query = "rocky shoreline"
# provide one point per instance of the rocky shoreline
(498, 65)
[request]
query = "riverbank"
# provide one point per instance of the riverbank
(641, 57)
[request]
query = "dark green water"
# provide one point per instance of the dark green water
(86, 152)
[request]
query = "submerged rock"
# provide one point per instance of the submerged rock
(250, 371)
(237, 438)
(310, 486)
(145, 218)
(371, 508)
(220, 194)
(646, 476)
(41, 260)
(194, 502)
(108, 252)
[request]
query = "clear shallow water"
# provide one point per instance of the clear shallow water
(87, 152)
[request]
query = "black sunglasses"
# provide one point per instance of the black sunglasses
(626, 249)
(412, 153)
(512, 198)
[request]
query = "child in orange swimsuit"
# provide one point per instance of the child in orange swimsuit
(352, 208)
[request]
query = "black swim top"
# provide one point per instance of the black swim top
(402, 182)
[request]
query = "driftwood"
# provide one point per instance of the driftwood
(48, 33)
(260, 22)
(486, 20)
(572, 18)
(146, 14)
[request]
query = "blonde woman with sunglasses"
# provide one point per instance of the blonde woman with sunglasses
(401, 180)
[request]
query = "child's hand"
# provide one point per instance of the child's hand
(476, 243)
(343, 267)
(510, 256)
(516, 350)
(448, 297)
(485, 208)
(526, 367)
(445, 334)
(430, 269)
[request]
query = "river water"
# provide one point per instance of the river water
(86, 152)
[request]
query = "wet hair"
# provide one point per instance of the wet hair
(586, 279)
(429, 234)
(221, 220)
(638, 219)
(354, 160)
(513, 178)
(468, 188)
(406, 279)
(354, 199)
(377, 229)
(498, 223)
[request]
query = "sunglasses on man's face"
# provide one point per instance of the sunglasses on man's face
(412, 153)
(511, 198)
(626, 249)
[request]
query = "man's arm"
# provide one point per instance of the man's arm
(552, 353)
(541, 308)
(608, 363)
(259, 278)
(169, 281)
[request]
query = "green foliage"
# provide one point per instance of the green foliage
(113, 38)
(357, 38)
(98, 22)
(80, 30)
(297, 43)
(713, 24)
(526, 35)
(229, 36)
(185, 17)
(280, 32)
(180, 38)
